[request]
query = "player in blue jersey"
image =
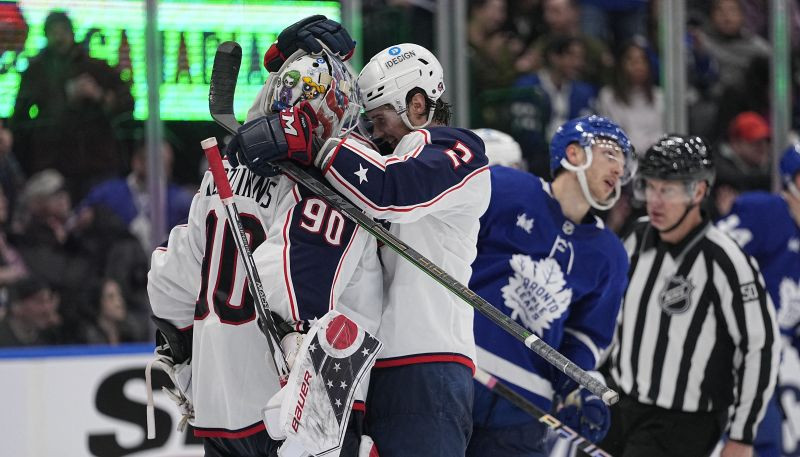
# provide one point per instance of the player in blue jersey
(767, 226)
(431, 191)
(549, 263)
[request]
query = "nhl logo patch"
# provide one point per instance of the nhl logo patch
(675, 297)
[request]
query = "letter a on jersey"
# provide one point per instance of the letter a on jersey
(335, 355)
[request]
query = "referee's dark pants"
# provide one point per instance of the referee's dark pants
(639, 430)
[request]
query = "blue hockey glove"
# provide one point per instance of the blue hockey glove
(285, 135)
(585, 413)
(309, 34)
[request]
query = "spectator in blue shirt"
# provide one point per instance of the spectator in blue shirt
(569, 97)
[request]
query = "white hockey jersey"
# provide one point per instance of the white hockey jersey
(309, 258)
(431, 193)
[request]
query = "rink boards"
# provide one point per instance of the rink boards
(84, 401)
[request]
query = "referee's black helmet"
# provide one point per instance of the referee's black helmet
(677, 157)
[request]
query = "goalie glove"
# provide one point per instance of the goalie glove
(310, 35)
(172, 355)
(285, 135)
(180, 393)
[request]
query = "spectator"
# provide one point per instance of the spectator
(613, 21)
(756, 14)
(128, 198)
(66, 108)
(493, 49)
(47, 242)
(525, 19)
(11, 177)
(751, 94)
(743, 163)
(569, 98)
(109, 322)
(12, 267)
(387, 22)
(634, 101)
(33, 313)
(562, 19)
(730, 44)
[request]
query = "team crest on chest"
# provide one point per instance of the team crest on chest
(537, 293)
(676, 296)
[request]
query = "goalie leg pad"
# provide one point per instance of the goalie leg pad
(317, 401)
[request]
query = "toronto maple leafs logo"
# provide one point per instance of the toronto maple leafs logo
(537, 293)
(524, 222)
(789, 313)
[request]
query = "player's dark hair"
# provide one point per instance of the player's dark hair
(442, 111)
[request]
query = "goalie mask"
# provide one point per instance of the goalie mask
(322, 80)
(589, 131)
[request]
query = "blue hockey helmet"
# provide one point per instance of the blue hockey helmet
(790, 164)
(586, 131)
(583, 130)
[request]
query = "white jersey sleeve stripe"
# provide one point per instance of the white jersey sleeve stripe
(401, 209)
(583, 338)
(513, 373)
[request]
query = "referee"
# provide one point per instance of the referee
(696, 350)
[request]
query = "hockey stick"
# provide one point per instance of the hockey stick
(496, 386)
(266, 323)
(220, 102)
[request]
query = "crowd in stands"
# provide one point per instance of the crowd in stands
(566, 58)
(74, 210)
(74, 227)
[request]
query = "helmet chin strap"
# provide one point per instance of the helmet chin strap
(580, 170)
(675, 225)
(793, 190)
(689, 207)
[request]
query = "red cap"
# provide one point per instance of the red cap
(749, 126)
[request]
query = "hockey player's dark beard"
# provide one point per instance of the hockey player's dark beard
(384, 147)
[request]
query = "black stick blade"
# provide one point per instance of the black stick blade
(227, 61)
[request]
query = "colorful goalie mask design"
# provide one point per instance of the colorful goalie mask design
(326, 83)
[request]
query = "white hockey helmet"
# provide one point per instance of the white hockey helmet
(392, 73)
(325, 82)
(501, 148)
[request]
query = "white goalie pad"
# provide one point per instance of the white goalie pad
(318, 398)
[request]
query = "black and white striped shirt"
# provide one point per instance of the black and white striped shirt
(696, 330)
